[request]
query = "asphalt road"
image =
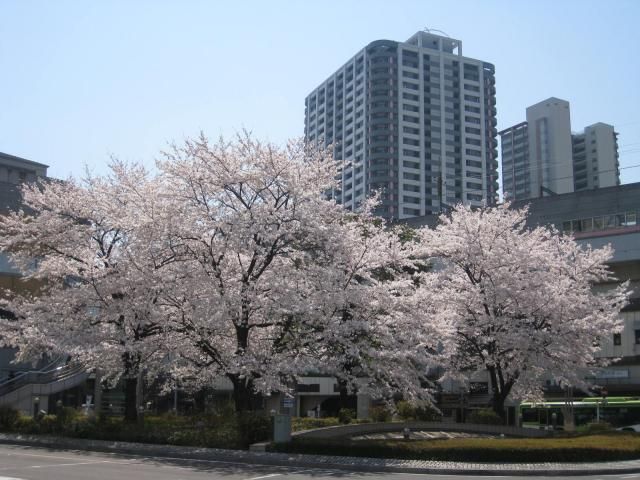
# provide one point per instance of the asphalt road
(30, 463)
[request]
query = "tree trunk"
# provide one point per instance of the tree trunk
(131, 376)
(501, 390)
(130, 396)
(97, 393)
(497, 404)
(242, 387)
(244, 397)
(344, 395)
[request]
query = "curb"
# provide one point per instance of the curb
(358, 464)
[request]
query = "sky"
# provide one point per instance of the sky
(84, 81)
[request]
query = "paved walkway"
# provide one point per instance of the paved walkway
(324, 461)
(420, 435)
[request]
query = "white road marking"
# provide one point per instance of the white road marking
(10, 478)
(447, 475)
(44, 456)
(68, 464)
(288, 469)
(285, 469)
(265, 476)
(294, 472)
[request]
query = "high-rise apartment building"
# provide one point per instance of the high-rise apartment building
(543, 157)
(595, 157)
(412, 120)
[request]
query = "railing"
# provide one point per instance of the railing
(43, 376)
(56, 362)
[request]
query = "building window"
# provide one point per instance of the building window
(617, 338)
(309, 387)
(637, 332)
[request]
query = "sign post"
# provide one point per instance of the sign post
(281, 428)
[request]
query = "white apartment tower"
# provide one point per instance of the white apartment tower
(543, 157)
(595, 157)
(412, 120)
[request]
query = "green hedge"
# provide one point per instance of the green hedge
(407, 411)
(485, 416)
(8, 418)
(229, 431)
(380, 414)
(591, 448)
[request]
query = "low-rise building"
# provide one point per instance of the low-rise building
(14, 171)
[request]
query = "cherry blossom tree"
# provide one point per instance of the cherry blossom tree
(519, 301)
(96, 304)
(273, 280)
(233, 263)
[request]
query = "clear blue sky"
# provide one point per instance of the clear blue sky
(83, 80)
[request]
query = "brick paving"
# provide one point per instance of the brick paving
(324, 461)
(422, 435)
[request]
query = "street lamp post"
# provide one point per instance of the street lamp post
(36, 406)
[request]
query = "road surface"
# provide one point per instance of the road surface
(31, 463)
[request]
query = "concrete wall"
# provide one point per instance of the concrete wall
(366, 428)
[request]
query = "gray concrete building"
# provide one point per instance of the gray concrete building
(599, 217)
(415, 121)
(543, 157)
(26, 386)
(595, 157)
(13, 172)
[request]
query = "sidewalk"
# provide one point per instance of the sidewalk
(323, 461)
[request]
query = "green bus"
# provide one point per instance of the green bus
(618, 411)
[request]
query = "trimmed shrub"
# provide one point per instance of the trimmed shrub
(26, 424)
(346, 415)
(235, 431)
(485, 416)
(8, 418)
(592, 448)
(253, 427)
(428, 414)
(597, 427)
(65, 417)
(406, 411)
(48, 424)
(379, 414)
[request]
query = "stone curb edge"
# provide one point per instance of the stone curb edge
(284, 460)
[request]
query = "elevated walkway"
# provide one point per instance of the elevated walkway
(28, 389)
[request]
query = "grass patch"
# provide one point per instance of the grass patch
(309, 423)
(587, 448)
